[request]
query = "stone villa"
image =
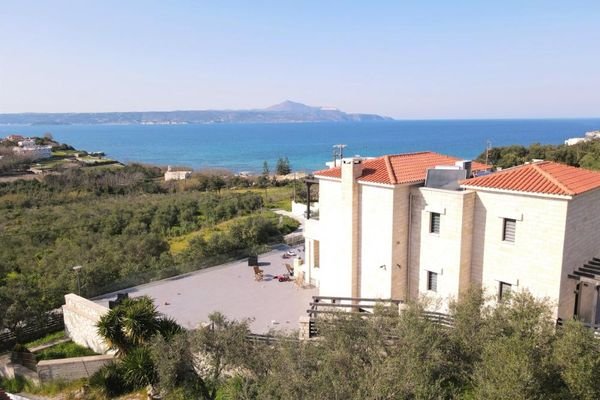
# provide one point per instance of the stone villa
(403, 226)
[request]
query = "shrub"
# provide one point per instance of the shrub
(14, 385)
(110, 380)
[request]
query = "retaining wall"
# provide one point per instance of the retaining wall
(81, 316)
(69, 369)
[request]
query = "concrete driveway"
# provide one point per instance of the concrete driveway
(232, 290)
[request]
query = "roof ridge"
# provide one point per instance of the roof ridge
(411, 154)
(551, 178)
(390, 169)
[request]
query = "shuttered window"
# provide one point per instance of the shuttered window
(434, 224)
(432, 281)
(508, 231)
(504, 290)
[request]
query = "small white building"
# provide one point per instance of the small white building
(27, 148)
(177, 174)
(592, 135)
(411, 225)
(574, 141)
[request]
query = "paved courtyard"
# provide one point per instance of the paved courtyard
(232, 290)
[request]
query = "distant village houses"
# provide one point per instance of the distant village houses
(592, 135)
(27, 148)
(177, 174)
(14, 138)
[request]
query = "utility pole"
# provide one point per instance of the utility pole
(77, 268)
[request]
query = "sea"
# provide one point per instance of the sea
(245, 147)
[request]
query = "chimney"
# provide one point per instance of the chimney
(349, 209)
(351, 169)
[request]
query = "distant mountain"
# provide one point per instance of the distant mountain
(292, 106)
(288, 111)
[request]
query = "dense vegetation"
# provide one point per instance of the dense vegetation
(493, 351)
(117, 223)
(585, 154)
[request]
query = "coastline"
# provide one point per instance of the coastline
(245, 146)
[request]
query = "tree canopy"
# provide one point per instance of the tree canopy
(584, 154)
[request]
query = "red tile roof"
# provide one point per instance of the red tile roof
(541, 177)
(399, 168)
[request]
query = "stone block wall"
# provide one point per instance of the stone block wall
(81, 316)
(582, 243)
(534, 260)
(69, 369)
(447, 253)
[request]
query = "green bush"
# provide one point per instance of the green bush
(14, 385)
(110, 380)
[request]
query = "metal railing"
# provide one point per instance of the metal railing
(363, 307)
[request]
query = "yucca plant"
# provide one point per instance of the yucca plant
(133, 323)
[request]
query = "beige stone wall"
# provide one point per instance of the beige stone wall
(70, 369)
(81, 316)
(399, 245)
(582, 243)
(534, 260)
(448, 253)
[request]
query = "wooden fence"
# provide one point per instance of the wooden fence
(52, 322)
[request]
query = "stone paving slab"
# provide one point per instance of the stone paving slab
(232, 290)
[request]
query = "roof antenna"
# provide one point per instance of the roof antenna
(338, 152)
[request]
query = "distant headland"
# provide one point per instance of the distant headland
(286, 112)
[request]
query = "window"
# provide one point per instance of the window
(432, 281)
(434, 223)
(504, 290)
(508, 230)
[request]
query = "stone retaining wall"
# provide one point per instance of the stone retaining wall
(81, 316)
(69, 369)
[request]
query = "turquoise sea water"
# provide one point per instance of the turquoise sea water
(244, 147)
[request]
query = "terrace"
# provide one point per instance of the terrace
(232, 290)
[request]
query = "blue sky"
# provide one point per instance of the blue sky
(405, 59)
